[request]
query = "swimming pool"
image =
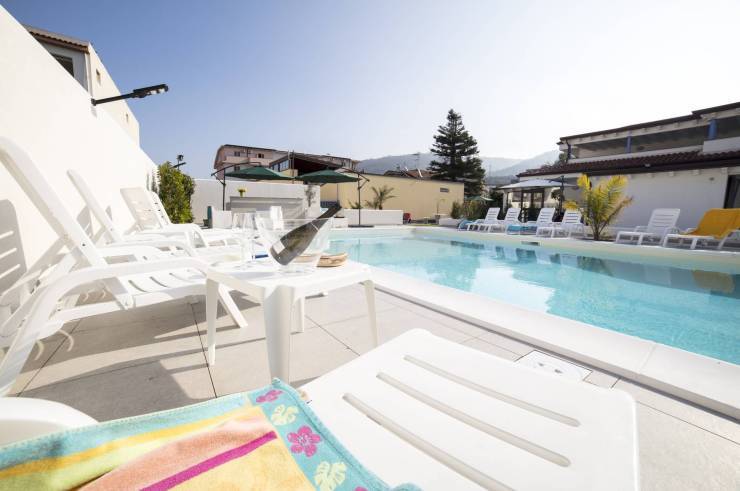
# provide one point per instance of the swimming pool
(694, 310)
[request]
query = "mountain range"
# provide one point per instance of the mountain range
(494, 166)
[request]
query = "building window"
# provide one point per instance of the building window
(444, 190)
(66, 63)
(260, 155)
(285, 165)
(237, 153)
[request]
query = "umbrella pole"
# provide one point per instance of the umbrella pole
(359, 206)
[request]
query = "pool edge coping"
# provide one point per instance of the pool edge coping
(696, 378)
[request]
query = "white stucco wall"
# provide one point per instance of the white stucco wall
(208, 192)
(49, 114)
(693, 192)
(373, 217)
(106, 87)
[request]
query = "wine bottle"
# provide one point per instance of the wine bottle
(295, 242)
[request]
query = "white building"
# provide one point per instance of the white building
(690, 162)
(79, 58)
(49, 114)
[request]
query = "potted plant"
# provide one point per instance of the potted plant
(601, 204)
(241, 192)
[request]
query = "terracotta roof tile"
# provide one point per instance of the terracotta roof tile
(649, 163)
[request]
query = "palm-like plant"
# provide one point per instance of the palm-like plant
(601, 204)
(382, 195)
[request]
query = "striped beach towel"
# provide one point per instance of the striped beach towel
(260, 440)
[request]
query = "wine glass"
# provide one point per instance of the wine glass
(248, 234)
(237, 227)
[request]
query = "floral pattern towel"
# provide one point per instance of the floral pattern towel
(263, 439)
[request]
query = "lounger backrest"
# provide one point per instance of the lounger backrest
(718, 222)
(159, 208)
(42, 195)
(545, 215)
(662, 219)
(492, 214)
(142, 208)
(571, 217)
(512, 214)
(111, 231)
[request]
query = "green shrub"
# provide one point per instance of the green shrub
(472, 210)
(175, 191)
(456, 210)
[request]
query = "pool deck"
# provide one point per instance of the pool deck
(149, 359)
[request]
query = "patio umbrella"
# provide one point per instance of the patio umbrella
(251, 174)
(258, 174)
(326, 176)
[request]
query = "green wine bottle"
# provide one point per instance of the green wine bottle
(295, 242)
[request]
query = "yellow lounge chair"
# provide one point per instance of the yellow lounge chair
(717, 225)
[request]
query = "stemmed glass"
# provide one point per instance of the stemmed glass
(242, 225)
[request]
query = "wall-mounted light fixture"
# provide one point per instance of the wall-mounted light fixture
(180, 162)
(135, 94)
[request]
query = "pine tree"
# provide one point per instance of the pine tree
(459, 155)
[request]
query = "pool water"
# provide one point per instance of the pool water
(693, 310)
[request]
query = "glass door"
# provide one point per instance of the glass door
(732, 198)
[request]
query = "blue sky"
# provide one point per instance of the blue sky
(371, 78)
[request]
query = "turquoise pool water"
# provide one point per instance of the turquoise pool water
(696, 311)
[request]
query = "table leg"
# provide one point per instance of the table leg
(278, 307)
(370, 295)
(300, 314)
(211, 313)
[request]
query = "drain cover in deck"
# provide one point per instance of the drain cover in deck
(542, 361)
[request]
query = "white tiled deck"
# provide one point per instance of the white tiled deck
(150, 359)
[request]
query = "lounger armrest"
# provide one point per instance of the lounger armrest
(639, 228)
(163, 242)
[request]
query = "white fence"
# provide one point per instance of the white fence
(374, 217)
(259, 195)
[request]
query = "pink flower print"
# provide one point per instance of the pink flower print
(304, 440)
(269, 396)
(360, 488)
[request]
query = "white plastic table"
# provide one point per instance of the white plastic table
(283, 300)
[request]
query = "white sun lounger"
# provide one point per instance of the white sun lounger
(145, 281)
(511, 218)
(662, 222)
(151, 217)
(425, 410)
(491, 217)
(544, 218)
(113, 235)
(570, 225)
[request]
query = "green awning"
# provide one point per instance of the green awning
(326, 176)
(258, 174)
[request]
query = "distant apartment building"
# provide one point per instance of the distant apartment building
(690, 162)
(79, 58)
(235, 157)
